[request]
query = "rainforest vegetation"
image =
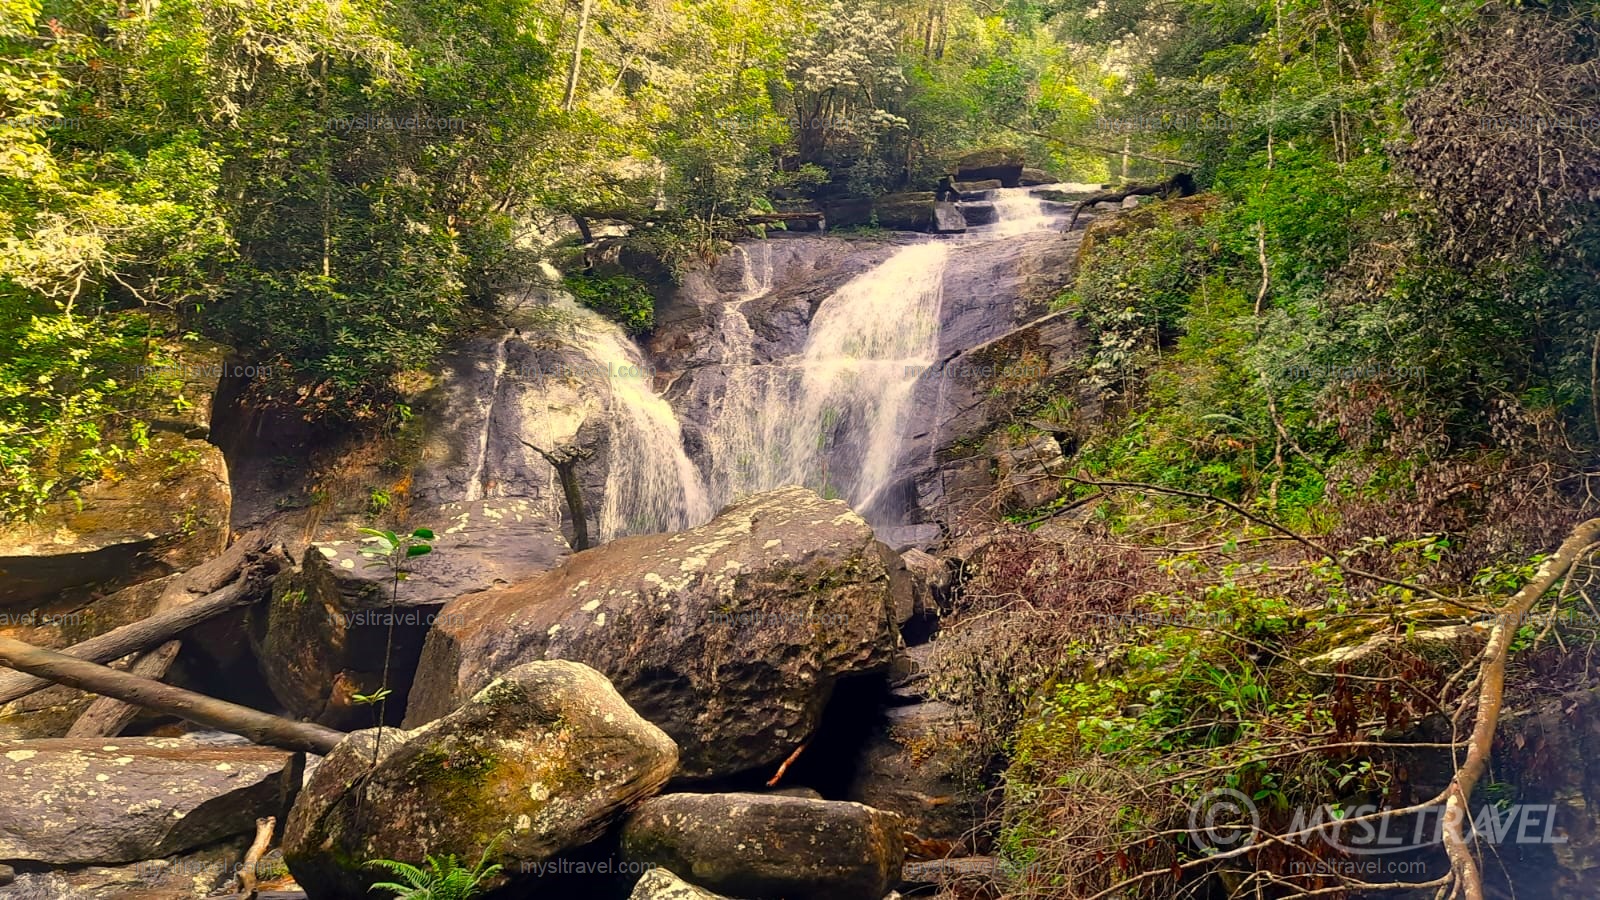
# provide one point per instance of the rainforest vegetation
(1352, 383)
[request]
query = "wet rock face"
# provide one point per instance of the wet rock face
(762, 846)
(540, 761)
(729, 636)
(117, 800)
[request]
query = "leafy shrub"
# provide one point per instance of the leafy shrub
(621, 298)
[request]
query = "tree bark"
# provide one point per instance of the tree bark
(106, 717)
(260, 727)
(577, 56)
(252, 857)
(254, 569)
(564, 460)
(1491, 691)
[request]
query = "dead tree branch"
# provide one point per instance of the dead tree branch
(258, 726)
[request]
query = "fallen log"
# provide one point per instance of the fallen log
(106, 717)
(262, 728)
(766, 218)
(1179, 185)
(161, 627)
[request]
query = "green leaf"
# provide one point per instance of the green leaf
(418, 550)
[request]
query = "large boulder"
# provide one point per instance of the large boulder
(192, 875)
(947, 219)
(729, 636)
(541, 760)
(763, 846)
(323, 637)
(164, 510)
(1033, 177)
(983, 213)
(1003, 164)
(118, 800)
(659, 884)
(905, 212)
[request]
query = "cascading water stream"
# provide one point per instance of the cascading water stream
(832, 417)
(651, 484)
(475, 488)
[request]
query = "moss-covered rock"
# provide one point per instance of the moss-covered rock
(539, 761)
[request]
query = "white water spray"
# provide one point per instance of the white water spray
(832, 418)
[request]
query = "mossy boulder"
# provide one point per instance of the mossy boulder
(541, 760)
(905, 212)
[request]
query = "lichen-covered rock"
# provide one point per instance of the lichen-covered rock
(762, 846)
(186, 876)
(729, 636)
(1031, 177)
(659, 884)
(539, 761)
(118, 800)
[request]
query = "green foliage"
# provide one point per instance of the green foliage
(622, 298)
(441, 879)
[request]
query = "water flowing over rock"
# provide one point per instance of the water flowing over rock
(851, 392)
(540, 761)
(767, 847)
(729, 636)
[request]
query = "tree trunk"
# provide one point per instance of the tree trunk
(577, 55)
(107, 717)
(564, 460)
(260, 727)
(257, 567)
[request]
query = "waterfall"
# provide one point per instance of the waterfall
(831, 418)
(1018, 212)
(651, 484)
(486, 405)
